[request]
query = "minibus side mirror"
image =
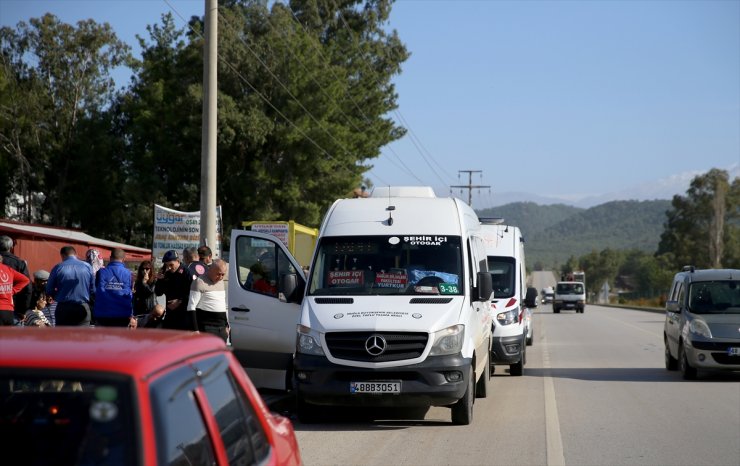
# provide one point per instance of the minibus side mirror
(485, 286)
(530, 299)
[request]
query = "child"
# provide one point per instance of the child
(36, 317)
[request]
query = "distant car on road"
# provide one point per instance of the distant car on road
(702, 323)
(142, 397)
(569, 295)
(548, 294)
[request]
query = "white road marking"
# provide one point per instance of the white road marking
(555, 456)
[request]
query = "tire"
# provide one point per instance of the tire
(530, 340)
(687, 371)
(671, 363)
(556, 310)
(518, 368)
(481, 386)
(462, 411)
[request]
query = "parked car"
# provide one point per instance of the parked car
(702, 323)
(144, 397)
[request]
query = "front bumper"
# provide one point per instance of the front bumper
(322, 382)
(712, 355)
(507, 350)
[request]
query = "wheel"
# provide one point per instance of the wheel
(518, 368)
(688, 372)
(671, 363)
(481, 387)
(530, 337)
(307, 413)
(556, 310)
(462, 411)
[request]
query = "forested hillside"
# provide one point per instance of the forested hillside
(554, 233)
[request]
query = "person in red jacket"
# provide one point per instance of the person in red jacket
(11, 282)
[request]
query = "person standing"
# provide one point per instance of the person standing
(174, 282)
(189, 259)
(12, 282)
(113, 292)
(208, 301)
(21, 300)
(144, 298)
(72, 286)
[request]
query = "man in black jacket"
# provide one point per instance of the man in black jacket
(22, 300)
(174, 282)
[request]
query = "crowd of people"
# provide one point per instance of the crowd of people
(87, 292)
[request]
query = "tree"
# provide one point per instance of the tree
(701, 225)
(56, 76)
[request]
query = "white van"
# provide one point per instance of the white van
(396, 310)
(512, 301)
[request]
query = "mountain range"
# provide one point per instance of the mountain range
(553, 233)
(664, 188)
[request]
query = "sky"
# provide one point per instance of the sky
(574, 101)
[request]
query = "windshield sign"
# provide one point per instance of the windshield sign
(387, 265)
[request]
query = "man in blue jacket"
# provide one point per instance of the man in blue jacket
(113, 293)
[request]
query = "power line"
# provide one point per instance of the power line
(416, 141)
(266, 100)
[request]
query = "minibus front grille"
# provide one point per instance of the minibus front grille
(430, 300)
(396, 346)
(334, 300)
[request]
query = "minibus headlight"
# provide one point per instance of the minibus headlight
(308, 341)
(448, 341)
(508, 317)
(699, 327)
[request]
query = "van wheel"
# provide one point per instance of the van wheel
(518, 368)
(462, 411)
(530, 339)
(688, 372)
(481, 387)
(671, 363)
(556, 310)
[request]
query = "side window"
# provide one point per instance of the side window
(242, 434)
(681, 294)
(181, 434)
(257, 260)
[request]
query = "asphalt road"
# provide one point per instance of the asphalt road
(594, 392)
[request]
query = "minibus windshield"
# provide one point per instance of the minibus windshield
(387, 265)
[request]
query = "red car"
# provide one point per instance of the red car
(141, 397)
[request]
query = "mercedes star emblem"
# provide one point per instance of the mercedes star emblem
(375, 345)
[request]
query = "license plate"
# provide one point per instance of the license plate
(733, 351)
(375, 387)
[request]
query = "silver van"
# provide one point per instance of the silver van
(702, 322)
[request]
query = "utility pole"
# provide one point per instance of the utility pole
(470, 186)
(208, 163)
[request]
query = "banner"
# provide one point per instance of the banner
(179, 230)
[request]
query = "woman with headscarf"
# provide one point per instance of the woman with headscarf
(92, 257)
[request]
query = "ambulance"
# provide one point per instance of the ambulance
(512, 300)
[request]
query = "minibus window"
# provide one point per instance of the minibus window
(388, 265)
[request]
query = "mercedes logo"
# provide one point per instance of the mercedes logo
(375, 345)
